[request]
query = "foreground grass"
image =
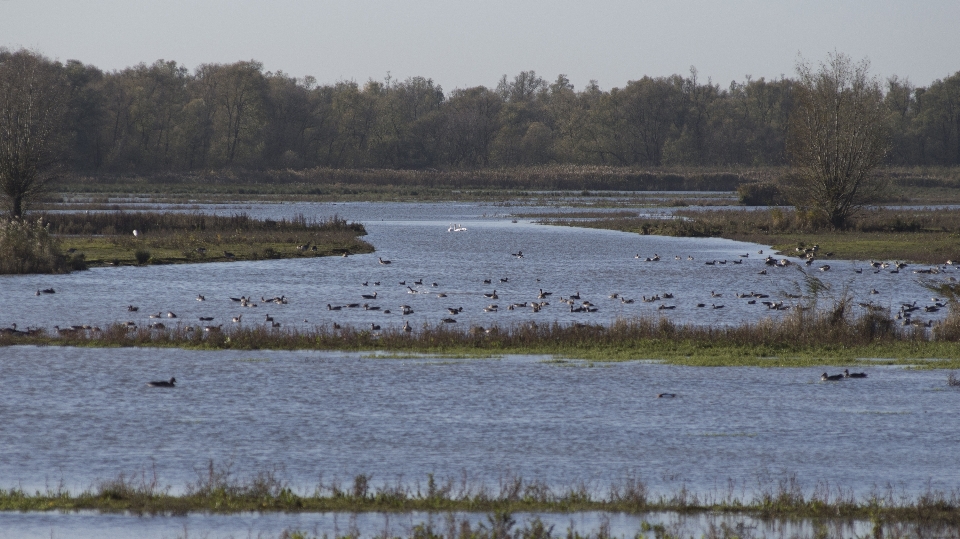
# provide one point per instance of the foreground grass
(801, 339)
(164, 238)
(217, 491)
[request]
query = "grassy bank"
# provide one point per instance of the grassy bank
(218, 491)
(924, 236)
(162, 238)
(801, 338)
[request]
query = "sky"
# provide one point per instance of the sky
(460, 44)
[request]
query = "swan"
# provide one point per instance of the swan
(163, 383)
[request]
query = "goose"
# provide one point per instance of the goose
(848, 374)
(336, 326)
(353, 305)
(615, 295)
(369, 296)
(667, 295)
(374, 327)
(201, 298)
(236, 319)
(243, 298)
(132, 308)
(543, 294)
(332, 308)
(454, 310)
(158, 325)
(411, 290)
(205, 318)
(158, 315)
(490, 309)
(163, 383)
(441, 295)
(762, 272)
(714, 294)
(211, 329)
(449, 321)
(701, 304)
(487, 281)
(518, 254)
(715, 306)
(492, 295)
(228, 254)
(406, 310)
(738, 261)
(368, 307)
(830, 378)
(268, 318)
(365, 283)
(275, 324)
(504, 279)
(625, 300)
(384, 262)
(418, 282)
(713, 263)
(403, 283)
(572, 296)
(171, 314)
(666, 395)
(665, 307)
(434, 285)
(406, 326)
(47, 291)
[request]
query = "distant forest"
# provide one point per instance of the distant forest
(164, 118)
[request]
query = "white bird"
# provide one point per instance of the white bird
(136, 233)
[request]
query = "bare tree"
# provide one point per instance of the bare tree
(837, 137)
(33, 92)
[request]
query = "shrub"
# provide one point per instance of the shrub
(28, 247)
(142, 256)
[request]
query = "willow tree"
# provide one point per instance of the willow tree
(33, 93)
(837, 138)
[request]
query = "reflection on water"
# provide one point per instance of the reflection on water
(269, 525)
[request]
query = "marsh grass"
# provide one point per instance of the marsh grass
(218, 489)
(927, 236)
(800, 338)
(107, 238)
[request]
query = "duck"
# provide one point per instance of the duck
(831, 377)
(163, 383)
(848, 374)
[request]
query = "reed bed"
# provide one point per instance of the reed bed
(218, 490)
(811, 337)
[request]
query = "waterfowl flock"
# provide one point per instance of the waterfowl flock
(521, 292)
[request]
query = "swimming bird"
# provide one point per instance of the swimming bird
(406, 326)
(374, 327)
(171, 314)
(384, 262)
(269, 318)
(158, 315)
(236, 319)
(201, 298)
(543, 294)
(205, 318)
(132, 308)
(831, 378)
(848, 374)
(666, 395)
(332, 308)
(369, 296)
(492, 295)
(449, 321)
(163, 383)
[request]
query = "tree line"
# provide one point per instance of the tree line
(162, 117)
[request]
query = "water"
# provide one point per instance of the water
(74, 417)
(562, 260)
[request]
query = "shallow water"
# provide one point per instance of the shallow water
(79, 415)
(561, 260)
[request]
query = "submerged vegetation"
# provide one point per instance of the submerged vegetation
(115, 238)
(218, 490)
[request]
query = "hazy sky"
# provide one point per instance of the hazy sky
(461, 44)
